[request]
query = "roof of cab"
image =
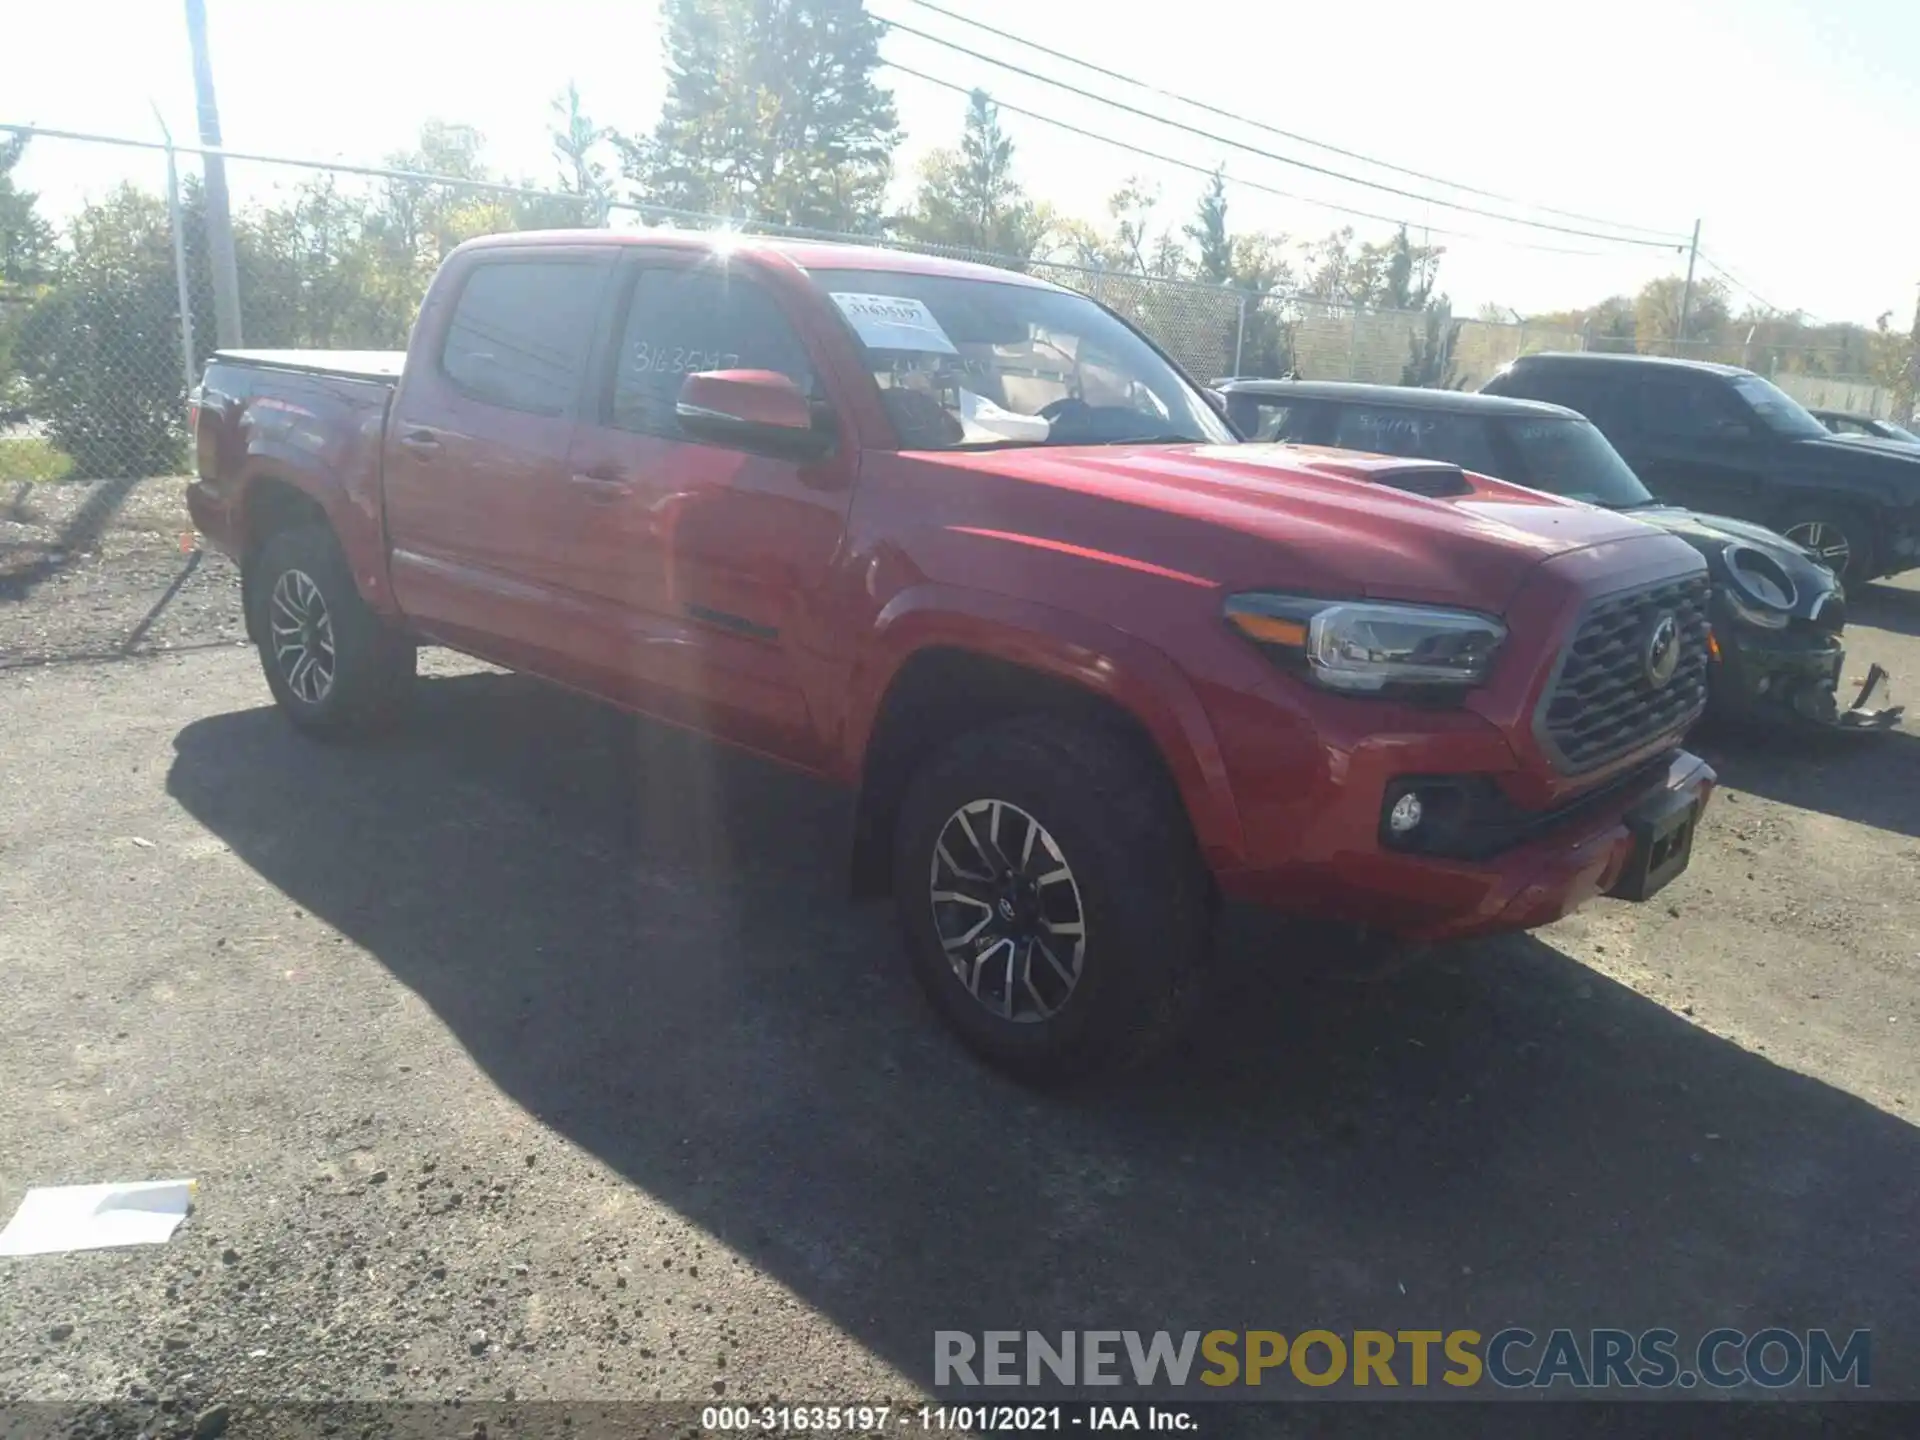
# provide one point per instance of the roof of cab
(1406, 397)
(1602, 359)
(807, 254)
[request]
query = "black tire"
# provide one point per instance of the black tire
(371, 662)
(1827, 528)
(1135, 876)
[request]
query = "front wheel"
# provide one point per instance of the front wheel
(1837, 537)
(1054, 903)
(334, 666)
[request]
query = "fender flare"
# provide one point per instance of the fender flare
(356, 520)
(1137, 678)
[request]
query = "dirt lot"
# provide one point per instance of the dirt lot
(536, 1054)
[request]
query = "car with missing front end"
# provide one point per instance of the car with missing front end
(1726, 441)
(1778, 615)
(971, 545)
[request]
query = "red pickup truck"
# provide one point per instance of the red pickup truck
(972, 545)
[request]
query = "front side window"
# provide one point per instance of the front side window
(964, 363)
(1289, 422)
(683, 321)
(1685, 409)
(1564, 456)
(519, 334)
(1778, 411)
(1417, 434)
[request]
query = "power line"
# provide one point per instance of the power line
(1219, 139)
(1249, 184)
(1275, 129)
(1741, 285)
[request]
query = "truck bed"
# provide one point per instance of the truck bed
(382, 365)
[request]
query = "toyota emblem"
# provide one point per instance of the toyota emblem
(1662, 654)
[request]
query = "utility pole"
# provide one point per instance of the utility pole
(226, 276)
(1686, 294)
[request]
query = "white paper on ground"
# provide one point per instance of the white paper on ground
(981, 419)
(55, 1218)
(894, 322)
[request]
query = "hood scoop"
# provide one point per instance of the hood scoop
(1415, 477)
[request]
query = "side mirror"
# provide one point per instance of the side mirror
(758, 410)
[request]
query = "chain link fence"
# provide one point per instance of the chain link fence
(100, 341)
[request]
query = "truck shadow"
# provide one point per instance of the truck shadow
(646, 943)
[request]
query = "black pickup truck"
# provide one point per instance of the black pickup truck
(1724, 440)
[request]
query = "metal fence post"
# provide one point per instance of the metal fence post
(1240, 336)
(1353, 343)
(178, 230)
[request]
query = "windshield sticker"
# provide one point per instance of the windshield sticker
(894, 322)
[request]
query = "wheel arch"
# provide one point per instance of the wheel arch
(943, 662)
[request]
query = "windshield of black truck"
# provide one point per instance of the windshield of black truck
(964, 363)
(1570, 457)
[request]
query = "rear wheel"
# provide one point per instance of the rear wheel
(335, 667)
(1053, 900)
(1838, 538)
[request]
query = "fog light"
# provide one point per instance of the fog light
(1405, 815)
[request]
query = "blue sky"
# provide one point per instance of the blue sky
(1789, 127)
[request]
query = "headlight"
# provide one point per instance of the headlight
(1759, 587)
(1365, 647)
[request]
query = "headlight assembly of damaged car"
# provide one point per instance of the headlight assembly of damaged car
(1759, 588)
(1366, 647)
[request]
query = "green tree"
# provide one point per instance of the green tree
(100, 350)
(1258, 335)
(772, 114)
(1430, 352)
(28, 257)
(26, 241)
(1208, 232)
(968, 197)
(1259, 268)
(577, 142)
(1656, 315)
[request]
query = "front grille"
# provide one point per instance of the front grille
(1602, 703)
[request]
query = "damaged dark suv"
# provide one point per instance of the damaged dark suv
(1777, 614)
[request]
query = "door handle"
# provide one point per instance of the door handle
(421, 442)
(602, 489)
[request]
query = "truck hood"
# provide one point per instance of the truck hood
(1864, 458)
(1335, 517)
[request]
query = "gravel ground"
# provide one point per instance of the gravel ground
(536, 1054)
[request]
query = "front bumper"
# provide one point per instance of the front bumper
(1788, 678)
(1423, 897)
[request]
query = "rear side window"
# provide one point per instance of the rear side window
(520, 332)
(1589, 394)
(681, 322)
(1418, 435)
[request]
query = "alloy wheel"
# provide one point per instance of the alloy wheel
(303, 644)
(1007, 910)
(1827, 542)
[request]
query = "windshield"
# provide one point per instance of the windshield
(1778, 411)
(964, 363)
(1570, 457)
(1892, 431)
